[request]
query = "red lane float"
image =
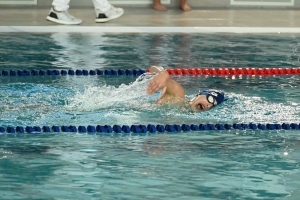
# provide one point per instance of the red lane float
(192, 71)
(235, 71)
(171, 71)
(198, 71)
(184, 71)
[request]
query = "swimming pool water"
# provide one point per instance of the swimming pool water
(30, 101)
(196, 165)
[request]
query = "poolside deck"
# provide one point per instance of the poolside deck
(147, 17)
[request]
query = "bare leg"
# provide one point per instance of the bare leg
(184, 5)
(158, 6)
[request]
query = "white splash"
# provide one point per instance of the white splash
(106, 97)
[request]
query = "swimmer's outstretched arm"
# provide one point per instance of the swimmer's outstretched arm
(164, 82)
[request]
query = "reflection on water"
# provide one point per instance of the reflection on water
(130, 51)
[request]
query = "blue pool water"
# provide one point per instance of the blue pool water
(231, 164)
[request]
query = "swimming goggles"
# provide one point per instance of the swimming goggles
(210, 98)
(213, 96)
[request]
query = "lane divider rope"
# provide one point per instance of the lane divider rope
(137, 72)
(235, 71)
(150, 128)
(78, 72)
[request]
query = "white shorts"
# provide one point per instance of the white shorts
(62, 5)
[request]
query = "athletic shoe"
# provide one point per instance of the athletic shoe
(62, 17)
(112, 13)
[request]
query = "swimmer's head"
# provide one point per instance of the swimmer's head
(207, 99)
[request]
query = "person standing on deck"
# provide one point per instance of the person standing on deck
(182, 4)
(104, 12)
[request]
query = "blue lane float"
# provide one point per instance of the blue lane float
(78, 72)
(143, 129)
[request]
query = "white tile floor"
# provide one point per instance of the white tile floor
(147, 17)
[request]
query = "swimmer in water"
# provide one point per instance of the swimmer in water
(172, 92)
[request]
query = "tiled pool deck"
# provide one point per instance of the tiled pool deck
(147, 17)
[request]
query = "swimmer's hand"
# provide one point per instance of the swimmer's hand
(163, 81)
(159, 82)
(156, 69)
